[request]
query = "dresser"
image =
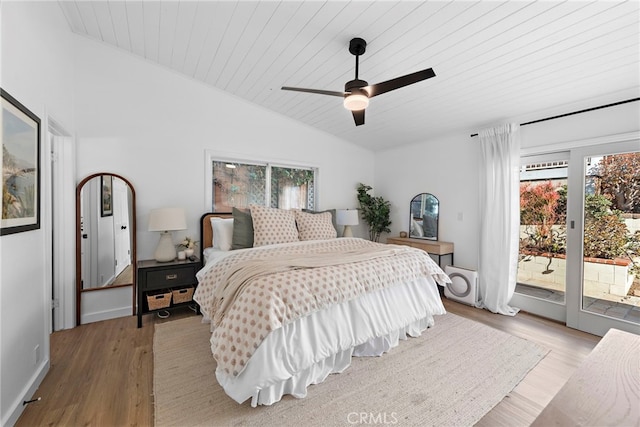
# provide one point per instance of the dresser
(432, 247)
(165, 285)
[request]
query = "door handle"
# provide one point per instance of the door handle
(123, 227)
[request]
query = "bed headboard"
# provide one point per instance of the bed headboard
(206, 231)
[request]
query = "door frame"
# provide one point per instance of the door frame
(571, 312)
(577, 317)
(62, 203)
(549, 309)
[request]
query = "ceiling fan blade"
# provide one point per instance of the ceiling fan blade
(358, 117)
(398, 82)
(318, 91)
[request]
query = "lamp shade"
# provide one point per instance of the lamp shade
(167, 219)
(347, 217)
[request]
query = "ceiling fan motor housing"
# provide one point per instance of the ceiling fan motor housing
(355, 86)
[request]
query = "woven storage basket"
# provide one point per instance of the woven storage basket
(182, 295)
(158, 300)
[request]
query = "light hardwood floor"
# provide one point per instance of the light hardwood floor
(102, 373)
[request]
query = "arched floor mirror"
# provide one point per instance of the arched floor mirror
(105, 239)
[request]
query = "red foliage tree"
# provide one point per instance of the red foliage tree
(538, 213)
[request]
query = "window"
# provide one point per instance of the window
(240, 184)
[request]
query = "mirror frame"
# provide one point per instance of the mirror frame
(134, 259)
(411, 217)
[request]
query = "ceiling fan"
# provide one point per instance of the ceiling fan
(358, 92)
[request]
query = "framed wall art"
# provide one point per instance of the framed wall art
(106, 198)
(20, 167)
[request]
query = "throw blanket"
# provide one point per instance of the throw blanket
(240, 275)
(246, 303)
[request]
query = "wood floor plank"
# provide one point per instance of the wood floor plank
(102, 373)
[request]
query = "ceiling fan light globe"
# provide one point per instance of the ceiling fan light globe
(356, 102)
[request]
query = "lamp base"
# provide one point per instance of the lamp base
(347, 231)
(165, 251)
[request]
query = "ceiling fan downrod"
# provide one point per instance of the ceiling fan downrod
(357, 47)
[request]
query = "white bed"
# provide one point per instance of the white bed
(305, 349)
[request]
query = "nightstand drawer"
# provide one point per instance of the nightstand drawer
(170, 277)
(166, 278)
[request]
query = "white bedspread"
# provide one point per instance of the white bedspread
(311, 347)
(308, 350)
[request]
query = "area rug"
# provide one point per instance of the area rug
(450, 376)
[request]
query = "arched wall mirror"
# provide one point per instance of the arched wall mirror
(105, 235)
(424, 216)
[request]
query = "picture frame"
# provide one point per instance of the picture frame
(106, 195)
(20, 167)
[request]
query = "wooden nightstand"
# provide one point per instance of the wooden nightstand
(433, 247)
(161, 279)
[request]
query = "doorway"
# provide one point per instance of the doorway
(62, 149)
(579, 249)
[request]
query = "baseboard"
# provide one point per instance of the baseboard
(105, 315)
(18, 407)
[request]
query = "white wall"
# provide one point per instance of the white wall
(36, 69)
(153, 126)
(448, 167)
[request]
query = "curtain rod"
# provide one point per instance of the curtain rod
(575, 112)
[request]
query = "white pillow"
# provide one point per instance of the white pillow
(222, 233)
(416, 229)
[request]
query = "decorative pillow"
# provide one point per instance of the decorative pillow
(242, 229)
(315, 226)
(271, 226)
(222, 233)
(331, 211)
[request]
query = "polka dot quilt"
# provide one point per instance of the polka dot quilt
(268, 300)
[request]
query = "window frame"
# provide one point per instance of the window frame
(213, 156)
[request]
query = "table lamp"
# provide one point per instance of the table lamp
(347, 217)
(166, 220)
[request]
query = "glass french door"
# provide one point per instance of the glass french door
(541, 282)
(578, 245)
(605, 271)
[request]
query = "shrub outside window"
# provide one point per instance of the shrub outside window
(240, 184)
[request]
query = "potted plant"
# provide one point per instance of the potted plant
(375, 211)
(188, 245)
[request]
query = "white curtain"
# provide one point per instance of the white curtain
(499, 217)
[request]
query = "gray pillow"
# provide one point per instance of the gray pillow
(331, 211)
(242, 229)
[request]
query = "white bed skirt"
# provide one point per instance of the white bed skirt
(306, 351)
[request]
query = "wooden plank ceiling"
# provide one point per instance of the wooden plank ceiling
(493, 60)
